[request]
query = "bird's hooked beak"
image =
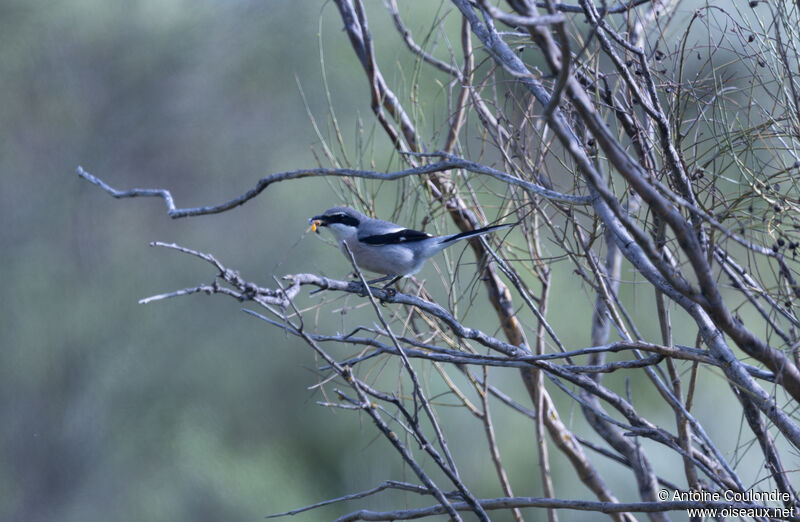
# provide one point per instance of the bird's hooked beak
(316, 222)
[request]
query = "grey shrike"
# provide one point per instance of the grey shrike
(383, 247)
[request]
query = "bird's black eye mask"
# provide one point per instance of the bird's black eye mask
(324, 221)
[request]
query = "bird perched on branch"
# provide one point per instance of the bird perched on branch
(384, 247)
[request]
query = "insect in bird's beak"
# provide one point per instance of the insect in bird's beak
(317, 222)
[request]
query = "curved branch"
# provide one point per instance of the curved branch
(452, 162)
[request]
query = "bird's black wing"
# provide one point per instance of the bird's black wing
(393, 238)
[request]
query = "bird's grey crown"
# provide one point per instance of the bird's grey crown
(347, 211)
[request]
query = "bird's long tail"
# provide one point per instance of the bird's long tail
(472, 233)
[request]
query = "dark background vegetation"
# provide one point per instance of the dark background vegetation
(185, 409)
(180, 411)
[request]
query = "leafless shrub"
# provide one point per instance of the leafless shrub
(651, 149)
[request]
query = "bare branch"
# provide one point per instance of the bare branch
(578, 505)
(388, 484)
(451, 162)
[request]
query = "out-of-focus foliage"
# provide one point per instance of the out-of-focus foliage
(110, 410)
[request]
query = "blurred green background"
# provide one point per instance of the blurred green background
(186, 409)
(182, 410)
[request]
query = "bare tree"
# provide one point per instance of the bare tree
(647, 144)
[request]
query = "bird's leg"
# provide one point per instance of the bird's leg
(363, 292)
(390, 283)
(384, 278)
(390, 292)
